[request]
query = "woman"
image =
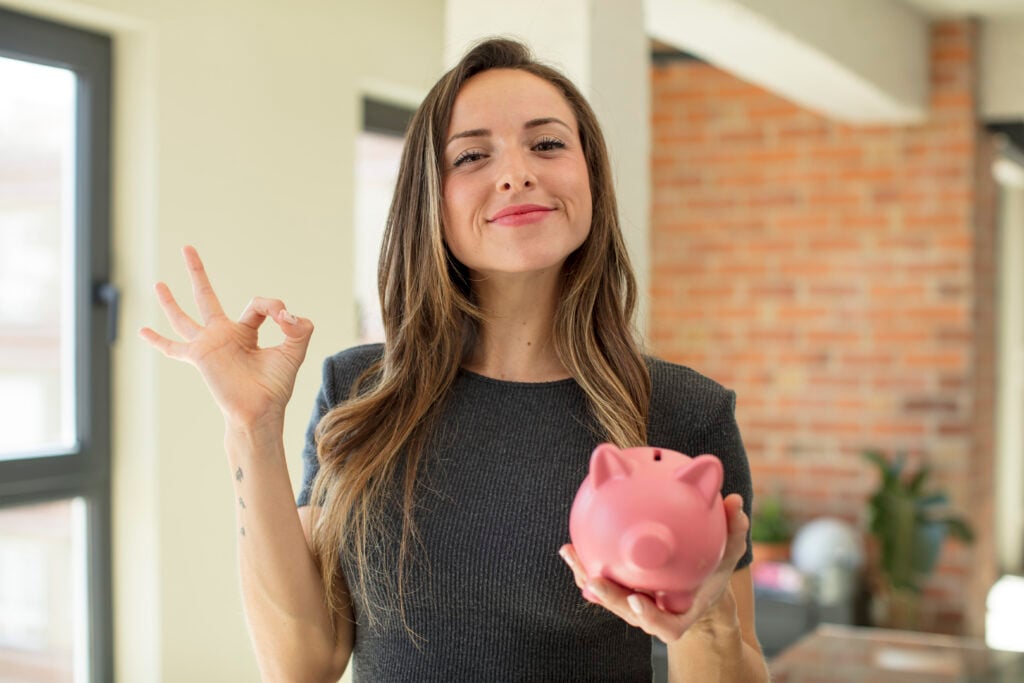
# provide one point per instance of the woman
(443, 463)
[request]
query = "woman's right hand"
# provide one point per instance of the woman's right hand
(251, 385)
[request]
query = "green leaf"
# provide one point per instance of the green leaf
(898, 464)
(769, 523)
(917, 482)
(879, 461)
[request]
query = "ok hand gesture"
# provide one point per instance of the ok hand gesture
(251, 385)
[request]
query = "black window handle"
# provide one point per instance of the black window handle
(108, 294)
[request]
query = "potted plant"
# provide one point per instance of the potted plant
(770, 531)
(909, 524)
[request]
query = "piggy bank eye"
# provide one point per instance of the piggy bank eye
(657, 456)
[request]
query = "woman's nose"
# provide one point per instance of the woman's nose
(515, 174)
(508, 184)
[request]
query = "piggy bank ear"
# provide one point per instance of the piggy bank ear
(704, 474)
(607, 463)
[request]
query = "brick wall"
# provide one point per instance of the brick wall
(840, 278)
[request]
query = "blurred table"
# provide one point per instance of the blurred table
(852, 654)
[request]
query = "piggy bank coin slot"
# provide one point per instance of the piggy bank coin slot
(657, 456)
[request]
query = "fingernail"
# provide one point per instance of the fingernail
(597, 589)
(289, 318)
(636, 605)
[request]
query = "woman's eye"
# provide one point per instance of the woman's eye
(549, 145)
(467, 157)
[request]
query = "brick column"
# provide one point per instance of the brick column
(840, 279)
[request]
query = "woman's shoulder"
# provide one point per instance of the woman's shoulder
(359, 357)
(673, 378)
(344, 368)
(686, 405)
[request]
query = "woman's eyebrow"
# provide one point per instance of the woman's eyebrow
(486, 132)
(533, 123)
(475, 133)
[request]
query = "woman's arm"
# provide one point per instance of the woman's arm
(284, 600)
(283, 595)
(722, 645)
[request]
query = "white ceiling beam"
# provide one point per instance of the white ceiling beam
(860, 61)
(1002, 54)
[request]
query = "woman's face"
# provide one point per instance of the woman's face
(516, 190)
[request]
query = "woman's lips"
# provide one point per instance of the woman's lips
(521, 214)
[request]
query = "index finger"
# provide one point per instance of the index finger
(202, 290)
(568, 554)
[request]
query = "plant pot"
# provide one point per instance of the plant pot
(769, 552)
(896, 608)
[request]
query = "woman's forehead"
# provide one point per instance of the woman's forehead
(507, 95)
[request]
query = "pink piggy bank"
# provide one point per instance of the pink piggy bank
(651, 520)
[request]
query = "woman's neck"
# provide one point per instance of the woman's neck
(515, 340)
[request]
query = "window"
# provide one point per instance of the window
(378, 152)
(57, 318)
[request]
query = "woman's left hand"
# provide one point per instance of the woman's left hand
(640, 610)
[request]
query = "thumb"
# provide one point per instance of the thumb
(297, 331)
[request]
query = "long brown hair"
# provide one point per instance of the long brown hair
(376, 437)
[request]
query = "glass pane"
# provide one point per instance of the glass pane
(37, 135)
(43, 626)
(377, 159)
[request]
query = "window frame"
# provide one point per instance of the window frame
(85, 470)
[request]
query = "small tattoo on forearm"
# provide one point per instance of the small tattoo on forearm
(241, 503)
(242, 531)
(238, 474)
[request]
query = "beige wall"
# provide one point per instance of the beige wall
(234, 126)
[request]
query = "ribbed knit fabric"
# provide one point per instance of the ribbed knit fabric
(489, 595)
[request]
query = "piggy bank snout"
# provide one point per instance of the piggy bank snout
(648, 545)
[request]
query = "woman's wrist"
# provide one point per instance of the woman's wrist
(720, 621)
(267, 431)
(713, 648)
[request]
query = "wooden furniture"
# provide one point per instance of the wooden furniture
(853, 654)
